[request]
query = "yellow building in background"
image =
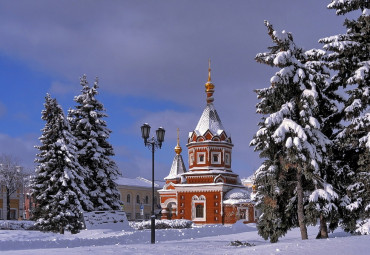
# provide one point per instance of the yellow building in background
(16, 204)
(136, 197)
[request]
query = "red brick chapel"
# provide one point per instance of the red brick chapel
(210, 192)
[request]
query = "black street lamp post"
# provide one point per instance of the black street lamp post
(152, 144)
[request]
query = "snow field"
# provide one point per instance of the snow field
(211, 239)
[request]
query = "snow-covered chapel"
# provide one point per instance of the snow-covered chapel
(210, 192)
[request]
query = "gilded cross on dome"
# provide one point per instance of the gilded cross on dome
(209, 70)
(178, 148)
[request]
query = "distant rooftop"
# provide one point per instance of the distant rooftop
(138, 182)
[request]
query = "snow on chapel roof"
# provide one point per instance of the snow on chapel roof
(178, 166)
(209, 121)
(236, 196)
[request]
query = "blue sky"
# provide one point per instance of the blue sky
(151, 58)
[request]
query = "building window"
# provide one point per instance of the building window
(147, 216)
(199, 208)
(13, 214)
(146, 200)
(201, 158)
(128, 199)
(191, 159)
(128, 215)
(243, 214)
(137, 216)
(216, 157)
(137, 199)
(227, 158)
(199, 211)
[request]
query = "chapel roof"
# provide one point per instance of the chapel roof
(209, 119)
(178, 166)
(236, 196)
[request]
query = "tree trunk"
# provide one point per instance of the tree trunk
(300, 209)
(323, 233)
(7, 204)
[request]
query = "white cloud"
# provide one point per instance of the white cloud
(146, 49)
(133, 163)
(170, 120)
(59, 88)
(20, 147)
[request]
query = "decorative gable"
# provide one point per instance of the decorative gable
(208, 135)
(169, 186)
(219, 179)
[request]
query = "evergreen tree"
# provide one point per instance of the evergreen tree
(94, 151)
(349, 57)
(290, 139)
(58, 188)
(324, 200)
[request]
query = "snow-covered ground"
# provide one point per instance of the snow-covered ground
(198, 240)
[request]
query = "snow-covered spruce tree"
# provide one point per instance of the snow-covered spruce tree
(94, 151)
(324, 200)
(58, 188)
(349, 57)
(290, 139)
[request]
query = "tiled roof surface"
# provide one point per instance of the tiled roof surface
(209, 121)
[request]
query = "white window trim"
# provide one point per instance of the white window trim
(198, 157)
(198, 200)
(218, 157)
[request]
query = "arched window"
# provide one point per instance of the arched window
(146, 200)
(198, 208)
(199, 211)
(138, 199)
(128, 198)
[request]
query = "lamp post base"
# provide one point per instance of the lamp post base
(153, 229)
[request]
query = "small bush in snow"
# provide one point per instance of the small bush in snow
(17, 225)
(239, 243)
(163, 224)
